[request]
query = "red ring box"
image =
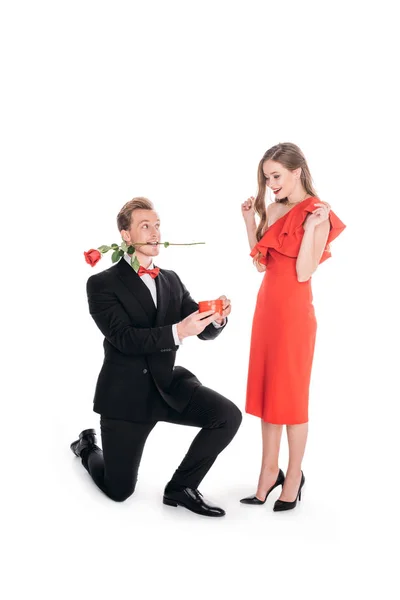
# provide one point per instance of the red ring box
(215, 305)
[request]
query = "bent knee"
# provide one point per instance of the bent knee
(235, 418)
(121, 494)
(119, 497)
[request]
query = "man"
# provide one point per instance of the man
(144, 317)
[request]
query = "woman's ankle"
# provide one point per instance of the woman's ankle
(293, 472)
(270, 469)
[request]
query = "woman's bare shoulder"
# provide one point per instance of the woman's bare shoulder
(273, 208)
(273, 211)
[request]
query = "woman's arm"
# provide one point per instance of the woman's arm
(250, 219)
(316, 232)
(251, 229)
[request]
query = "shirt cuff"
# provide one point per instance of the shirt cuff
(217, 325)
(177, 341)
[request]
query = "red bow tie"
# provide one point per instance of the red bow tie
(152, 272)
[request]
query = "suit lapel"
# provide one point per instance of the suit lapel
(163, 294)
(136, 286)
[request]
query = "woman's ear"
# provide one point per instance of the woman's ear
(297, 173)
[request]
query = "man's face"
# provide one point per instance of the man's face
(145, 228)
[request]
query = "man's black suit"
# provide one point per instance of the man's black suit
(139, 385)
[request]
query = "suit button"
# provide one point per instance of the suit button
(145, 371)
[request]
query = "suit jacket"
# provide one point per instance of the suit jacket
(139, 347)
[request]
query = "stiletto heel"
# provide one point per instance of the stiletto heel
(281, 505)
(254, 500)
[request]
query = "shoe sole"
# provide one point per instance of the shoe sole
(72, 448)
(175, 504)
(83, 433)
(87, 432)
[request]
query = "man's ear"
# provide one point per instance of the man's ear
(125, 236)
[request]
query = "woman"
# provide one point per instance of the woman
(290, 241)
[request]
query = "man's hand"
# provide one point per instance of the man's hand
(226, 309)
(196, 323)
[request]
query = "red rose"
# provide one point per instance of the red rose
(92, 257)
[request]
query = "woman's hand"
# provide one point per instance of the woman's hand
(260, 267)
(319, 215)
(248, 211)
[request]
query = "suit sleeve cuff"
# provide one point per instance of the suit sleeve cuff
(218, 326)
(177, 341)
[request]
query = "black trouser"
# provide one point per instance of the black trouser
(115, 468)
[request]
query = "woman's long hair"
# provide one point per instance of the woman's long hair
(291, 157)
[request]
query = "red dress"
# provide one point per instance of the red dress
(284, 324)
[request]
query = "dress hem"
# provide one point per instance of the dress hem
(273, 423)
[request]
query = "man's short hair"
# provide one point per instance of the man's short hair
(124, 217)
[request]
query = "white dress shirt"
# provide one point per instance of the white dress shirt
(151, 284)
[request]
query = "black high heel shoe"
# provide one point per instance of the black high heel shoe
(282, 505)
(255, 500)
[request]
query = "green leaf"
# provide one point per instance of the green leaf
(115, 246)
(115, 256)
(131, 250)
(121, 253)
(135, 264)
(124, 246)
(166, 244)
(104, 249)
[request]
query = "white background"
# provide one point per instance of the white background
(177, 101)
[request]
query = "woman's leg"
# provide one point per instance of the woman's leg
(271, 439)
(297, 438)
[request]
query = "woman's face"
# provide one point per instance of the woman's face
(280, 180)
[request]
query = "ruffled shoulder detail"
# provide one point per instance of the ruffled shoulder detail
(286, 234)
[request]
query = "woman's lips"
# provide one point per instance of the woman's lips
(277, 191)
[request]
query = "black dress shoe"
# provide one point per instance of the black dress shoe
(255, 500)
(87, 439)
(192, 500)
(281, 505)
